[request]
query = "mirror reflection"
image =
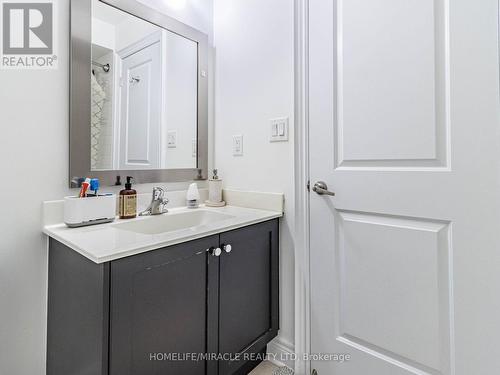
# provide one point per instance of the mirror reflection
(144, 94)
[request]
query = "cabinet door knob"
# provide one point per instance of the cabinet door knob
(227, 248)
(216, 252)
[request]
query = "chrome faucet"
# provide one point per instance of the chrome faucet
(158, 203)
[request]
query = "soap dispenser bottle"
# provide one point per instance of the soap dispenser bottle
(215, 191)
(128, 201)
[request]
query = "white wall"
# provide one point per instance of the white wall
(180, 103)
(254, 83)
(196, 13)
(103, 34)
(132, 30)
(34, 153)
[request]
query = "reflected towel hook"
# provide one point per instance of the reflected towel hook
(104, 67)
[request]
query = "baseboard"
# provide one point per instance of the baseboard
(281, 353)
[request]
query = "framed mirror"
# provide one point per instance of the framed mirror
(139, 94)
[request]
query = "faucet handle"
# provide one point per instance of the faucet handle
(163, 204)
(158, 193)
(158, 197)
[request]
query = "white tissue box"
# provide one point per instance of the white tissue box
(79, 212)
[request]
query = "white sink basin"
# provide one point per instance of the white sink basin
(172, 221)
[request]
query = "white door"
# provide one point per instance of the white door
(405, 129)
(140, 121)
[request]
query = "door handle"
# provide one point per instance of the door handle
(135, 79)
(321, 188)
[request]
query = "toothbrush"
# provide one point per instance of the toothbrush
(94, 185)
(85, 186)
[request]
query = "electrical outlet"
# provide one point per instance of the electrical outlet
(237, 145)
(172, 139)
(279, 130)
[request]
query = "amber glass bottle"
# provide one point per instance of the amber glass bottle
(128, 201)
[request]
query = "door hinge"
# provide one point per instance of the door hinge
(308, 185)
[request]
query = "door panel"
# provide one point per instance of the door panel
(408, 320)
(248, 307)
(160, 304)
(403, 119)
(392, 67)
(140, 145)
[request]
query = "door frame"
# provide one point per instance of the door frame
(301, 169)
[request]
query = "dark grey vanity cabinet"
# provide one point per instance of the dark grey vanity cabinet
(177, 310)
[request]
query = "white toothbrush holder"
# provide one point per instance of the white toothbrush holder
(80, 212)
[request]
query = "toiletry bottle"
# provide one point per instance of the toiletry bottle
(215, 192)
(128, 201)
(193, 196)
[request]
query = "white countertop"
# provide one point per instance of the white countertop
(107, 242)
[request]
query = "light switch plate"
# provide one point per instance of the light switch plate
(172, 139)
(278, 129)
(237, 145)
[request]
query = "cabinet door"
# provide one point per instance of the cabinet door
(160, 307)
(248, 292)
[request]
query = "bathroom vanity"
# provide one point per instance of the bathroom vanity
(161, 304)
(188, 292)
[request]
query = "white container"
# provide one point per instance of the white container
(215, 194)
(193, 196)
(79, 212)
